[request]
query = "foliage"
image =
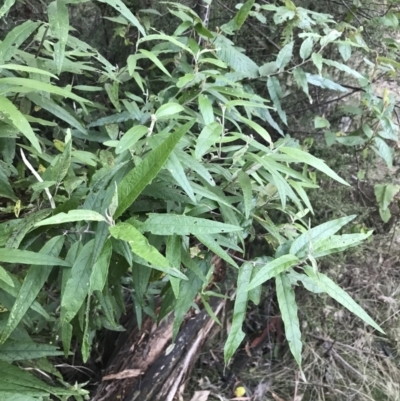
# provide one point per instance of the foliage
(154, 160)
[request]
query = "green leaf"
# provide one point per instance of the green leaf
(284, 56)
(168, 110)
(209, 135)
(41, 86)
(72, 215)
(320, 122)
(337, 243)
(112, 91)
(58, 111)
(33, 282)
(141, 247)
(14, 380)
(306, 48)
(5, 188)
(275, 91)
(288, 308)
(245, 184)
(385, 194)
(174, 166)
(191, 163)
(144, 173)
(124, 10)
(18, 67)
(213, 245)
(272, 269)
(188, 290)
(238, 61)
(343, 67)
(19, 121)
(24, 226)
(172, 39)
(60, 165)
(317, 60)
(57, 12)
(206, 109)
(236, 334)
(15, 38)
(303, 243)
(345, 51)
(325, 83)
(28, 257)
(13, 351)
(258, 128)
(5, 276)
(77, 285)
(169, 224)
(130, 138)
(268, 68)
(384, 151)
(301, 80)
(4, 10)
(97, 281)
(306, 158)
(341, 296)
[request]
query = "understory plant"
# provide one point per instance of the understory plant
(123, 181)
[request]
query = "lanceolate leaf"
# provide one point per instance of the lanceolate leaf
(24, 226)
(341, 296)
(19, 351)
(77, 286)
(29, 258)
(306, 48)
(15, 38)
(61, 164)
(59, 24)
(169, 224)
(187, 293)
(245, 184)
(174, 166)
(236, 334)
(275, 91)
(73, 215)
(124, 10)
(288, 308)
(33, 283)
(6, 6)
(304, 243)
(5, 276)
(141, 247)
(41, 86)
(337, 243)
(52, 107)
(18, 119)
(208, 137)
(131, 137)
(272, 269)
(306, 158)
(5, 188)
(213, 245)
(137, 179)
(97, 282)
(19, 381)
(284, 56)
(206, 109)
